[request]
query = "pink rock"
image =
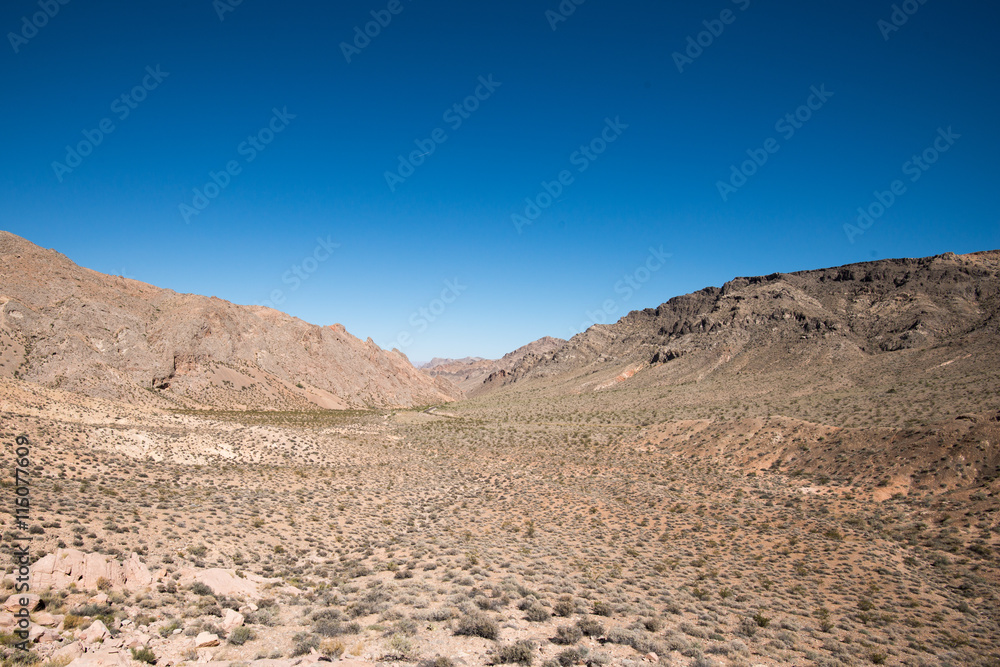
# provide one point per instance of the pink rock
(206, 639)
(232, 620)
(45, 618)
(97, 632)
(18, 600)
(70, 652)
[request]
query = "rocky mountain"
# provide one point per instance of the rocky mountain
(896, 327)
(470, 374)
(68, 327)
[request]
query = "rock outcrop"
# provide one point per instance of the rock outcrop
(69, 566)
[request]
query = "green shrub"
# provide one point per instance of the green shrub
(144, 655)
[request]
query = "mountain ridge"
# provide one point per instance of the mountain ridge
(66, 326)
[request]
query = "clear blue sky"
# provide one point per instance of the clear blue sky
(656, 185)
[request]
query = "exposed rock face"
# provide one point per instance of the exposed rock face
(471, 373)
(847, 316)
(68, 327)
(69, 566)
(225, 582)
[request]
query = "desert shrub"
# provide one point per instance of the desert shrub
(71, 621)
(590, 627)
(602, 609)
(332, 648)
(598, 659)
(19, 658)
(570, 656)
(103, 584)
(144, 655)
(639, 641)
(327, 627)
(400, 647)
(477, 624)
(375, 601)
(168, 629)
(568, 634)
(564, 608)
(438, 615)
(263, 616)
(303, 642)
(93, 610)
(439, 661)
(227, 602)
(241, 635)
(761, 620)
(199, 588)
(521, 651)
(536, 613)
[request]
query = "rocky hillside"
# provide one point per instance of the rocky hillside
(470, 373)
(67, 327)
(918, 337)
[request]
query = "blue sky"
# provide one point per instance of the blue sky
(597, 100)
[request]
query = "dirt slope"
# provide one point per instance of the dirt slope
(67, 327)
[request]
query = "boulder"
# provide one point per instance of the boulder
(206, 639)
(18, 600)
(97, 632)
(69, 652)
(103, 658)
(100, 598)
(45, 618)
(231, 620)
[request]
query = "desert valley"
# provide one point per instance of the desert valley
(792, 469)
